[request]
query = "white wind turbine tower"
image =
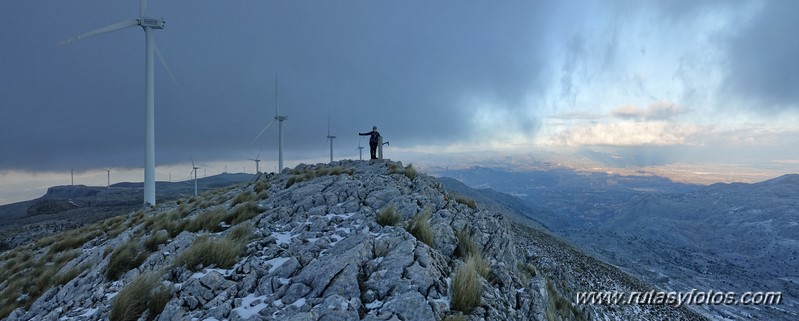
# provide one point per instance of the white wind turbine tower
(360, 149)
(330, 138)
(280, 119)
(194, 168)
(257, 161)
(148, 24)
(109, 178)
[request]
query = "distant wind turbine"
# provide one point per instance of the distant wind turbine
(194, 168)
(109, 178)
(330, 138)
(280, 119)
(72, 177)
(360, 149)
(257, 161)
(148, 24)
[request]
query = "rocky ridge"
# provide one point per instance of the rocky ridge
(311, 249)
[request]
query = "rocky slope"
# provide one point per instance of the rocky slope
(306, 245)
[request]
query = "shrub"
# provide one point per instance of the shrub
(243, 213)
(466, 289)
(419, 226)
(142, 294)
(247, 196)
(388, 216)
(222, 253)
(125, 257)
(208, 221)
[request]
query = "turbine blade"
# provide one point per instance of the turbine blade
(259, 155)
(163, 63)
(106, 29)
(142, 7)
(261, 133)
(277, 112)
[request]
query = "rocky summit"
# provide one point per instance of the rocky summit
(352, 240)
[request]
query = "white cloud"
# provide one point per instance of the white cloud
(657, 133)
(660, 110)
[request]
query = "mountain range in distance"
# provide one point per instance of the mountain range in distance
(728, 237)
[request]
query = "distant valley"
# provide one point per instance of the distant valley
(730, 237)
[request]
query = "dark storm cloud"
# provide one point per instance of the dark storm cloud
(763, 62)
(408, 67)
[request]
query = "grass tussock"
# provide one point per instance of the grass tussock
(242, 232)
(69, 275)
(309, 174)
(261, 186)
(558, 307)
(208, 221)
(466, 201)
(466, 289)
(145, 293)
(127, 256)
(527, 271)
(155, 240)
(243, 213)
(388, 216)
(419, 227)
(468, 250)
(171, 222)
(466, 245)
(245, 197)
(408, 171)
(455, 317)
(205, 251)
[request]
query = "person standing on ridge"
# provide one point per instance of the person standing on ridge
(374, 139)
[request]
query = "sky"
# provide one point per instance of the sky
(665, 86)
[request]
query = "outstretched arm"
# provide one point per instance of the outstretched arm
(365, 134)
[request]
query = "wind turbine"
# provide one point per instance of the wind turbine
(280, 119)
(148, 24)
(360, 149)
(109, 178)
(331, 138)
(257, 161)
(194, 168)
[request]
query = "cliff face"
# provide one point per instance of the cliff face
(306, 245)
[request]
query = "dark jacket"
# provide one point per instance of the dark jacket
(373, 136)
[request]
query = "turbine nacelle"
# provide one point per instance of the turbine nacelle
(155, 23)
